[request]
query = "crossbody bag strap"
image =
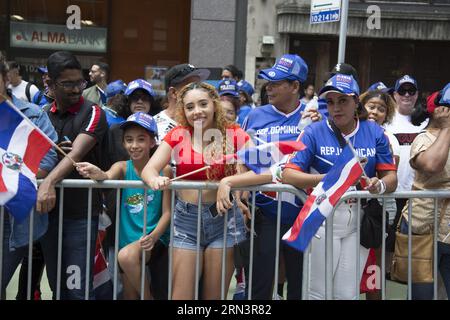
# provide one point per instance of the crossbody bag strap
(338, 134)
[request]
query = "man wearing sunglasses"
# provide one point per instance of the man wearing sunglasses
(405, 94)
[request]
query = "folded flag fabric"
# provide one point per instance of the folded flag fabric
(22, 147)
(264, 156)
(100, 271)
(320, 203)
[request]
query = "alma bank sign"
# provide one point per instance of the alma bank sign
(57, 37)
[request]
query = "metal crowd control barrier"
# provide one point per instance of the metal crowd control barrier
(432, 194)
(178, 185)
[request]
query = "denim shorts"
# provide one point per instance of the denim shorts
(211, 228)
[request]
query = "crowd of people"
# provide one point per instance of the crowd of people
(118, 131)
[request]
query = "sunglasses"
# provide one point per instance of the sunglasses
(72, 85)
(144, 96)
(410, 91)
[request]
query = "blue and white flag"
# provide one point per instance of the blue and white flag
(22, 146)
(320, 203)
(265, 156)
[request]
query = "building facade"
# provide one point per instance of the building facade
(413, 38)
(136, 37)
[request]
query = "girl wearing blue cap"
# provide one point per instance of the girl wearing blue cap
(139, 140)
(141, 98)
(308, 167)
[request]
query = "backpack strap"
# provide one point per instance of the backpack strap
(27, 91)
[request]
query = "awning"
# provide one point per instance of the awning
(415, 22)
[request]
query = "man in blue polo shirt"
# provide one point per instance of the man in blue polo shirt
(111, 108)
(277, 121)
(45, 96)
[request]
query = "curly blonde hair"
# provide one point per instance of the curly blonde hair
(385, 97)
(217, 149)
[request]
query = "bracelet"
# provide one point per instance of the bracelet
(383, 186)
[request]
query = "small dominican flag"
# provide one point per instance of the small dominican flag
(22, 146)
(319, 204)
(264, 156)
(102, 284)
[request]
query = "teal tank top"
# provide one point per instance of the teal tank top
(132, 211)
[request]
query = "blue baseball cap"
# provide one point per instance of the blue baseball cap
(228, 87)
(445, 96)
(245, 86)
(139, 84)
(114, 88)
(341, 83)
(405, 79)
(142, 119)
(379, 86)
(288, 67)
(42, 69)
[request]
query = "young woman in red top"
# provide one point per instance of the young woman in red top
(202, 137)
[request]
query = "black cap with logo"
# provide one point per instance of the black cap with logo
(344, 68)
(180, 72)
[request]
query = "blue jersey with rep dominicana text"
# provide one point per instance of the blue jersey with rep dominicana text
(268, 124)
(323, 149)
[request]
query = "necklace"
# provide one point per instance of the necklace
(355, 124)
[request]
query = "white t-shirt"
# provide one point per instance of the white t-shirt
(19, 91)
(405, 132)
(391, 205)
(164, 123)
(394, 143)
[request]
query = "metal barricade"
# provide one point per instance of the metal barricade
(120, 184)
(358, 195)
(180, 185)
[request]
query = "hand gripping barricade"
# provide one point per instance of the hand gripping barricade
(121, 184)
(407, 273)
(118, 185)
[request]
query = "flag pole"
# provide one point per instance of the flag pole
(189, 173)
(36, 128)
(357, 157)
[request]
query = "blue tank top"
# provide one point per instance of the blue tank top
(132, 211)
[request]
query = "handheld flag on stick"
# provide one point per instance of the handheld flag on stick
(258, 159)
(264, 156)
(10, 104)
(320, 203)
(22, 146)
(100, 269)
